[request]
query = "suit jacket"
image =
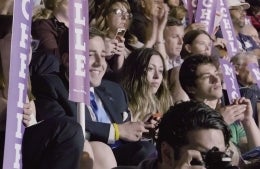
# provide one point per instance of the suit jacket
(51, 92)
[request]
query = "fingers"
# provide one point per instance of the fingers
(187, 157)
(114, 46)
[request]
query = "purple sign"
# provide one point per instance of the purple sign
(19, 61)
(205, 13)
(230, 80)
(227, 29)
(78, 55)
(254, 70)
(192, 5)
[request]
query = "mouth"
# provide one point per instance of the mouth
(216, 87)
(155, 84)
(95, 72)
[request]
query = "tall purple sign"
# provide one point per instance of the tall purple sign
(20, 49)
(78, 55)
(191, 5)
(254, 70)
(205, 13)
(227, 29)
(230, 80)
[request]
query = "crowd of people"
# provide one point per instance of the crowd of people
(157, 95)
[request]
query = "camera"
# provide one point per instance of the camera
(215, 159)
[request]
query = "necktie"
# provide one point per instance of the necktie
(99, 111)
(101, 116)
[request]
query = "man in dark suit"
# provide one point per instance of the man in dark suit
(115, 127)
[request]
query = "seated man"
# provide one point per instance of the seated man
(188, 130)
(247, 83)
(199, 78)
(108, 120)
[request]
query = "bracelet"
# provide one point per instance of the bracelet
(117, 135)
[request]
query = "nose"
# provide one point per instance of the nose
(215, 78)
(124, 17)
(156, 74)
(180, 40)
(98, 60)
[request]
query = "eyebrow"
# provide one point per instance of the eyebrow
(206, 73)
(155, 65)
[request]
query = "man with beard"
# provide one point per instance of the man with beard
(237, 9)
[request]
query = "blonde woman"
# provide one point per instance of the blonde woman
(144, 79)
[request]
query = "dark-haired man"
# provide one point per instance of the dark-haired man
(200, 79)
(108, 120)
(187, 130)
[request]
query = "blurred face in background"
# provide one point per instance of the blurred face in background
(244, 75)
(151, 7)
(119, 16)
(155, 72)
(202, 44)
(238, 16)
(173, 36)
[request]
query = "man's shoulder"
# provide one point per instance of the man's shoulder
(110, 84)
(50, 79)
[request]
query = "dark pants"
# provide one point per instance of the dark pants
(133, 153)
(55, 143)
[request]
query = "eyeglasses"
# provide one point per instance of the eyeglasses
(121, 13)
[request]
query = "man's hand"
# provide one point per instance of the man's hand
(185, 160)
(131, 131)
(248, 112)
(232, 113)
(29, 113)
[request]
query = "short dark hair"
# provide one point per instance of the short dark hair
(187, 73)
(188, 116)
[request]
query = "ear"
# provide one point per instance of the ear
(167, 154)
(188, 48)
